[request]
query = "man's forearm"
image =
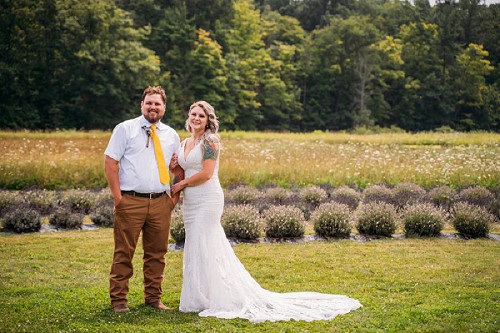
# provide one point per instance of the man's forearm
(111, 171)
(178, 174)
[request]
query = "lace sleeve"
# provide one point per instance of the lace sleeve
(211, 148)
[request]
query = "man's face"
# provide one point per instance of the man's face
(153, 108)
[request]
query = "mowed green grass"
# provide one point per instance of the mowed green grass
(58, 282)
(72, 159)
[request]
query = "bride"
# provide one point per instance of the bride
(215, 282)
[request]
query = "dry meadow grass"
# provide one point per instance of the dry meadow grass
(72, 159)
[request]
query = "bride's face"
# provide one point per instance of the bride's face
(197, 119)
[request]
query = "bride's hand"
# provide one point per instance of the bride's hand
(176, 188)
(174, 162)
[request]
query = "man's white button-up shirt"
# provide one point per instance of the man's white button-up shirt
(138, 167)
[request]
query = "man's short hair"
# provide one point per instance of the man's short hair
(155, 90)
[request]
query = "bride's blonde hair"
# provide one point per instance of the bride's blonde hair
(212, 122)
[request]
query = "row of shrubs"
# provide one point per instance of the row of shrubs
(334, 219)
(23, 211)
(84, 201)
(29, 220)
(399, 195)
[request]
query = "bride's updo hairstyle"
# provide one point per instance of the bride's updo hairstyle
(212, 122)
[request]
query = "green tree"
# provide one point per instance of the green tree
(246, 56)
(284, 41)
(209, 81)
(471, 19)
(312, 14)
(211, 15)
(341, 71)
(470, 87)
(72, 64)
(246, 59)
(387, 75)
(29, 58)
(447, 18)
(424, 104)
(108, 65)
(173, 40)
(144, 12)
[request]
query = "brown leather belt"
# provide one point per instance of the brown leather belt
(144, 195)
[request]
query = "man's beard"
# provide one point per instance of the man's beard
(153, 117)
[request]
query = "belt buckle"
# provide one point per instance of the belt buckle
(151, 196)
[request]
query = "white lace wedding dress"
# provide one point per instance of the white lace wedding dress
(216, 283)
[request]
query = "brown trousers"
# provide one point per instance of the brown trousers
(152, 217)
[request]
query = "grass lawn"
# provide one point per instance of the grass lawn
(58, 282)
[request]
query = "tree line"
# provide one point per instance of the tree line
(279, 65)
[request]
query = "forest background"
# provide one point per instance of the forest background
(277, 65)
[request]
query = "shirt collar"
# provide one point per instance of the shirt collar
(145, 122)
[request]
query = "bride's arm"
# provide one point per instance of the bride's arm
(210, 153)
(197, 179)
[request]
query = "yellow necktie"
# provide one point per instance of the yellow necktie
(160, 159)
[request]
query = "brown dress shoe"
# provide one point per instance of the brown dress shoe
(158, 305)
(120, 308)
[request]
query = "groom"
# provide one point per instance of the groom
(136, 169)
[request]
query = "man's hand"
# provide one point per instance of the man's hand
(175, 198)
(117, 199)
(174, 162)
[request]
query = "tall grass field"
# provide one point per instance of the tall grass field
(71, 159)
